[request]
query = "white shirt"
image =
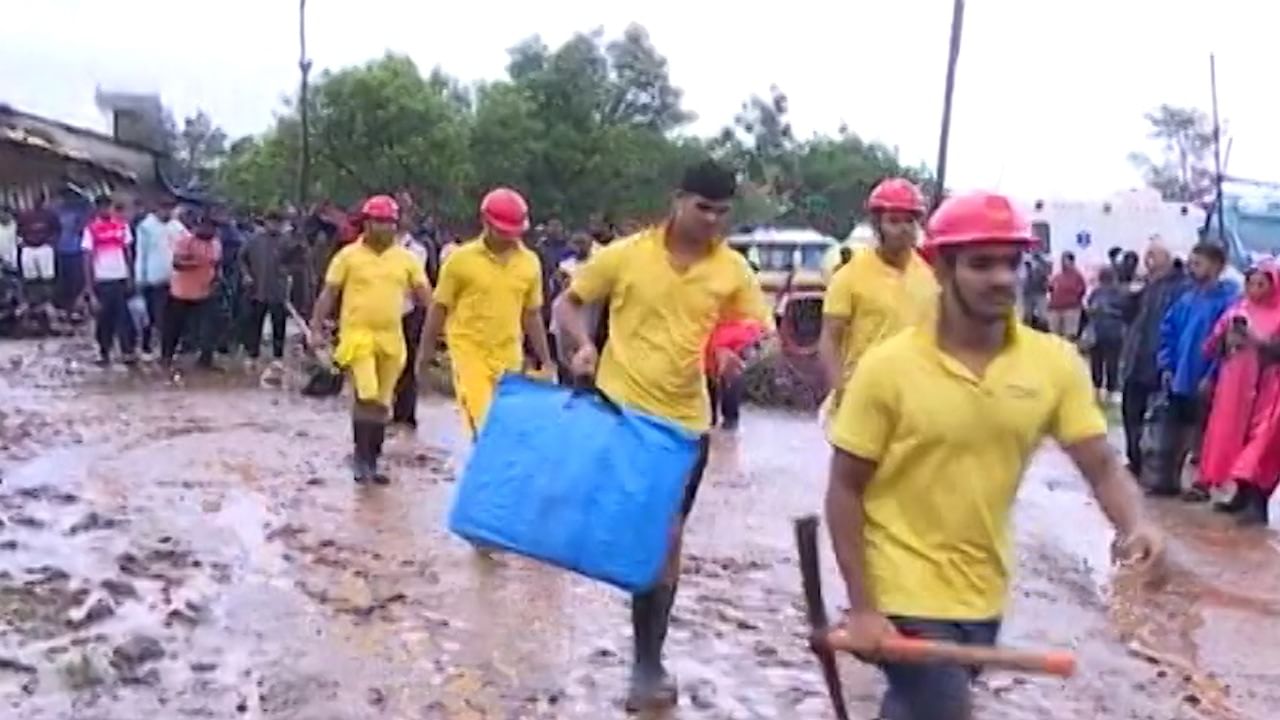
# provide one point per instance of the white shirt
(410, 243)
(153, 249)
(590, 311)
(9, 246)
(108, 263)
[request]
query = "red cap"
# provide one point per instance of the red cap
(898, 194)
(976, 218)
(380, 207)
(506, 211)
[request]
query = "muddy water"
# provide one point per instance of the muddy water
(198, 550)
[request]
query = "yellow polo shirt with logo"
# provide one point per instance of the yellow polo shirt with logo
(486, 295)
(660, 321)
(879, 300)
(370, 340)
(950, 449)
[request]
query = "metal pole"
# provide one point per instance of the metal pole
(1217, 149)
(957, 23)
(304, 66)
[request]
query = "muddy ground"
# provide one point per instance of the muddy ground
(199, 551)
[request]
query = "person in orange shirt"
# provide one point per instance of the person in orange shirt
(196, 255)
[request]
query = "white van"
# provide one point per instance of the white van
(1127, 220)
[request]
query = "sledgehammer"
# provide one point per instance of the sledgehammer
(825, 640)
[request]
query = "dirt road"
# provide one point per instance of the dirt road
(200, 552)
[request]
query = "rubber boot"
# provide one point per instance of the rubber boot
(378, 436)
(1254, 512)
(363, 456)
(651, 687)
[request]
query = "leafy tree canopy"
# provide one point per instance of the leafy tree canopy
(1183, 171)
(593, 126)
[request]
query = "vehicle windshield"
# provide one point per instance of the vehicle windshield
(1259, 233)
(781, 257)
(1253, 225)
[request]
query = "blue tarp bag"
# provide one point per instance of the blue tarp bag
(568, 477)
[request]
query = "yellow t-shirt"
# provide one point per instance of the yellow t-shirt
(487, 295)
(373, 285)
(950, 449)
(660, 321)
(879, 300)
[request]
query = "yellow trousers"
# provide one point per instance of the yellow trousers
(374, 360)
(474, 384)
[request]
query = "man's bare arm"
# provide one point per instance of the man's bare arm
(422, 295)
(567, 310)
(829, 349)
(436, 315)
(89, 280)
(849, 478)
(1113, 486)
(323, 308)
(534, 330)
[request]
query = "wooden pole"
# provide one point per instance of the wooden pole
(1217, 150)
(957, 24)
(304, 66)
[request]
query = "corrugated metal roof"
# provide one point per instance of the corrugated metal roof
(30, 137)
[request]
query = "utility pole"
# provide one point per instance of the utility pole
(957, 24)
(1217, 150)
(304, 66)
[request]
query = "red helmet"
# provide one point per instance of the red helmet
(506, 211)
(979, 217)
(898, 194)
(380, 207)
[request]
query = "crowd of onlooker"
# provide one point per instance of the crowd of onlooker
(158, 276)
(1192, 360)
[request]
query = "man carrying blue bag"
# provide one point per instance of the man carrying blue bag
(666, 287)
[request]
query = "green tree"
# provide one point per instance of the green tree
(821, 182)
(261, 172)
(584, 129)
(834, 176)
(507, 136)
(198, 148)
(1183, 171)
(586, 125)
(383, 127)
(641, 92)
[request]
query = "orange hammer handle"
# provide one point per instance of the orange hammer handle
(915, 650)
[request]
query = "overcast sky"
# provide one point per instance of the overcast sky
(1049, 99)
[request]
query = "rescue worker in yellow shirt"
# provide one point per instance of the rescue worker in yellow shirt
(488, 299)
(880, 290)
(666, 288)
(928, 460)
(372, 276)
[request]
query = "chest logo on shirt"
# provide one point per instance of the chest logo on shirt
(1021, 391)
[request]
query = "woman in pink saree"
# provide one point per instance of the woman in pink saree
(1245, 416)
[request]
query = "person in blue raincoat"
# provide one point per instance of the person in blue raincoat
(1186, 371)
